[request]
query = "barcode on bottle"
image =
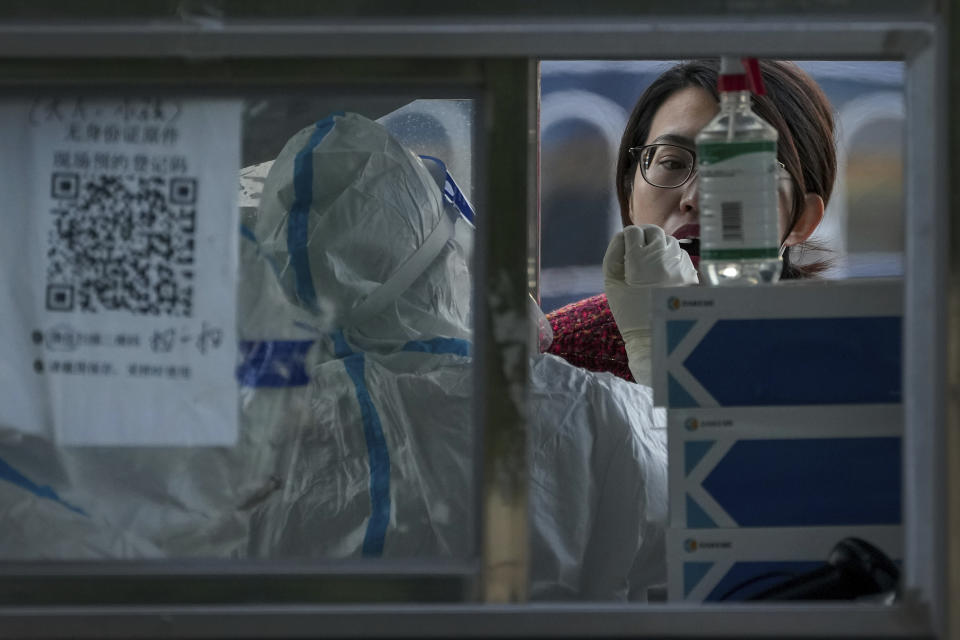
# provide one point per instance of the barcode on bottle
(731, 220)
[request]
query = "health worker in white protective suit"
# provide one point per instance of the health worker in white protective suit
(365, 243)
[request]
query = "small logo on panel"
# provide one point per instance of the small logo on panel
(674, 303)
(689, 545)
(691, 424)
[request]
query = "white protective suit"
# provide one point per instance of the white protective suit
(385, 465)
(356, 437)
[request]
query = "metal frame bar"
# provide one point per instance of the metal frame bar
(925, 371)
(915, 39)
(422, 621)
(585, 37)
(505, 372)
(65, 10)
(230, 582)
(951, 168)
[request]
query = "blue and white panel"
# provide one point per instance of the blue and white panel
(786, 482)
(783, 361)
(768, 452)
(790, 345)
(729, 565)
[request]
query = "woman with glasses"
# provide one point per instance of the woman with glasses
(657, 184)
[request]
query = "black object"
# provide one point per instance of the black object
(855, 568)
(690, 245)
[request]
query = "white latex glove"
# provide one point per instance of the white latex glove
(637, 259)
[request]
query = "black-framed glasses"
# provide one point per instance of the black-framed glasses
(669, 166)
(664, 165)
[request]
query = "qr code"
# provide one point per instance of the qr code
(121, 242)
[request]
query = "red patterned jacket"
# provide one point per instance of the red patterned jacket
(586, 335)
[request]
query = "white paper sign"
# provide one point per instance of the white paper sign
(119, 263)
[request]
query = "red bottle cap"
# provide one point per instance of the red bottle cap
(746, 78)
(755, 80)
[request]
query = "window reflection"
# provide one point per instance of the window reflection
(355, 436)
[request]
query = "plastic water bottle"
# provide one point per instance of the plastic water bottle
(737, 164)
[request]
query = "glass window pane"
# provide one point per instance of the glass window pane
(770, 474)
(237, 327)
(585, 106)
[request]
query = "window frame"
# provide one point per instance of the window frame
(500, 51)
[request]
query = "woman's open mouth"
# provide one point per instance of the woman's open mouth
(689, 238)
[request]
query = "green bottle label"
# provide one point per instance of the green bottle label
(738, 198)
(712, 152)
(739, 254)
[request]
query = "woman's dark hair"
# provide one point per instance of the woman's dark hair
(794, 105)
